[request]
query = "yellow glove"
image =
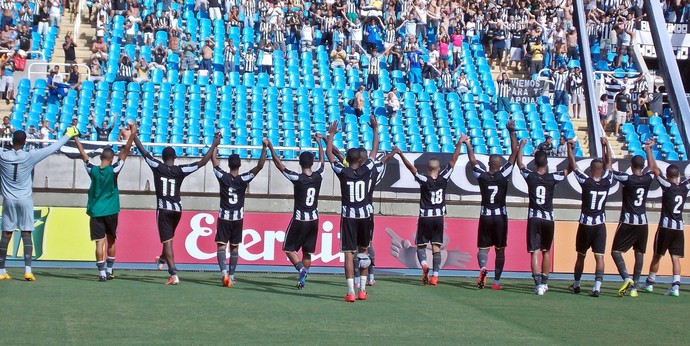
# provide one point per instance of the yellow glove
(71, 132)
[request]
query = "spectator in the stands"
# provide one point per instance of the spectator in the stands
(546, 146)
(560, 81)
(125, 71)
(463, 83)
(24, 38)
(55, 86)
(214, 10)
(249, 61)
(142, 68)
(603, 110)
(6, 131)
(643, 110)
(623, 106)
(207, 56)
(306, 36)
(499, 45)
(358, 101)
(353, 59)
(99, 50)
(189, 49)
(375, 60)
(54, 13)
(174, 41)
(562, 150)
(26, 15)
(43, 18)
(392, 103)
(147, 28)
(46, 132)
(396, 54)
(503, 91)
(414, 66)
(103, 132)
(7, 80)
(96, 71)
(338, 57)
(577, 95)
(571, 41)
(267, 56)
(229, 52)
(356, 31)
(624, 36)
(446, 81)
(74, 79)
(536, 52)
(32, 134)
(8, 38)
(68, 47)
(159, 57)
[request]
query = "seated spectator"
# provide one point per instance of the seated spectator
(124, 69)
(99, 50)
(160, 57)
(546, 146)
(353, 59)
(392, 103)
(74, 79)
(7, 38)
(96, 74)
(338, 57)
(206, 56)
(142, 68)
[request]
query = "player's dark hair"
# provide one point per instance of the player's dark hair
(496, 160)
(672, 171)
(637, 162)
(306, 159)
(234, 162)
(169, 153)
(107, 154)
(19, 138)
(363, 153)
(596, 164)
(541, 159)
(352, 155)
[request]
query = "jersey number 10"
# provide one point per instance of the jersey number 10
(358, 191)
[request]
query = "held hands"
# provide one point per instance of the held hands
(72, 132)
(510, 126)
(604, 141)
(267, 143)
(216, 139)
(523, 142)
(396, 150)
(463, 138)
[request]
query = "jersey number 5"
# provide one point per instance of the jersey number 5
(232, 196)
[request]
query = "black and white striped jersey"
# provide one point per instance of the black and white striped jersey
(432, 199)
(373, 180)
(494, 188)
(559, 80)
(306, 191)
(232, 192)
(635, 189)
(672, 203)
(167, 181)
(353, 188)
(594, 195)
(540, 190)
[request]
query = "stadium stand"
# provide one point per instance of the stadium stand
(279, 80)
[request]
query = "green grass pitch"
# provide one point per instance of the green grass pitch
(70, 307)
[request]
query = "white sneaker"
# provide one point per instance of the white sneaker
(541, 290)
(546, 287)
(672, 292)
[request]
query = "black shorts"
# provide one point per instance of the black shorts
(301, 235)
(493, 231)
(539, 234)
(101, 226)
(671, 240)
(229, 231)
(167, 221)
(593, 237)
(429, 230)
(354, 233)
(497, 53)
(630, 236)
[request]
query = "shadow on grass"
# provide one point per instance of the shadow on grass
(287, 289)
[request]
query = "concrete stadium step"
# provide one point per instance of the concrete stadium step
(87, 32)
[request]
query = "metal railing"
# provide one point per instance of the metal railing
(77, 20)
(31, 70)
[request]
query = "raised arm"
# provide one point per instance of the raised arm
(214, 158)
(262, 161)
(207, 157)
(140, 146)
(276, 160)
(332, 130)
(607, 157)
(319, 138)
(651, 161)
(518, 158)
(456, 153)
(405, 161)
(513, 142)
(84, 156)
(470, 152)
(128, 145)
(37, 155)
(572, 165)
(374, 124)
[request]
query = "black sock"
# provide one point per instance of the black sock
(299, 266)
(172, 271)
(639, 262)
(372, 258)
(620, 264)
(110, 261)
(356, 266)
(4, 242)
(483, 257)
(421, 254)
(437, 261)
(233, 261)
(500, 263)
(599, 276)
(28, 248)
(544, 279)
(220, 254)
(101, 266)
(537, 279)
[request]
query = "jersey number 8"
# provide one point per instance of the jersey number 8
(311, 197)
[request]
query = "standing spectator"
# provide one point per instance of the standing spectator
(214, 10)
(374, 68)
(392, 103)
(229, 56)
(24, 38)
(68, 47)
(603, 110)
(328, 23)
(546, 146)
(279, 35)
(147, 28)
(577, 95)
(96, 71)
(159, 58)
(643, 107)
(306, 36)
(624, 37)
(414, 66)
(443, 48)
(124, 69)
(571, 40)
(622, 104)
(560, 94)
(99, 50)
(536, 52)
(338, 57)
(54, 13)
(46, 132)
(249, 61)
(396, 53)
(457, 37)
(189, 49)
(6, 131)
(433, 56)
(499, 45)
(32, 135)
(562, 150)
(103, 132)
(373, 31)
(358, 101)
(504, 84)
(446, 81)
(356, 32)
(43, 19)
(7, 80)
(267, 56)
(206, 56)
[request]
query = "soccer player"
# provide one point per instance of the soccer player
(493, 219)
(432, 208)
(16, 173)
(670, 234)
(540, 221)
(591, 233)
(103, 205)
(167, 179)
(233, 187)
(355, 233)
(304, 226)
(632, 228)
